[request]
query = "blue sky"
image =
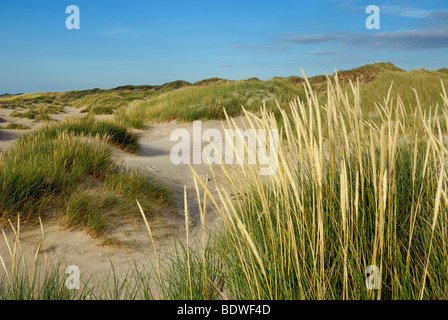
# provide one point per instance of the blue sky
(152, 42)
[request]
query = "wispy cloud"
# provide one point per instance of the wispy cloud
(409, 11)
(405, 11)
(398, 9)
(126, 32)
(441, 15)
(323, 53)
(408, 39)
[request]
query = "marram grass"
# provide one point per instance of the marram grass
(348, 194)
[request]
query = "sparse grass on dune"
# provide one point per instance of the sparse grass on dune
(33, 104)
(443, 70)
(17, 126)
(208, 102)
(133, 184)
(108, 102)
(42, 117)
(95, 101)
(27, 99)
(363, 74)
(28, 114)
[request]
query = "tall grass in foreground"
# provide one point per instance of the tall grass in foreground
(20, 280)
(348, 194)
(34, 279)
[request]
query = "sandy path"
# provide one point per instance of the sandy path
(154, 157)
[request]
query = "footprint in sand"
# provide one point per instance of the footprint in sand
(155, 169)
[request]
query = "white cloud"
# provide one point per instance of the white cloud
(406, 11)
(408, 39)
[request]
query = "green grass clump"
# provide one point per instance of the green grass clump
(29, 114)
(38, 168)
(132, 183)
(112, 131)
(17, 126)
(98, 109)
(42, 117)
(83, 210)
(47, 108)
(136, 185)
(45, 169)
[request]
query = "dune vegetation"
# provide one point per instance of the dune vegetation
(361, 183)
(206, 99)
(69, 168)
(207, 102)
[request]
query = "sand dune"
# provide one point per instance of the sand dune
(78, 248)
